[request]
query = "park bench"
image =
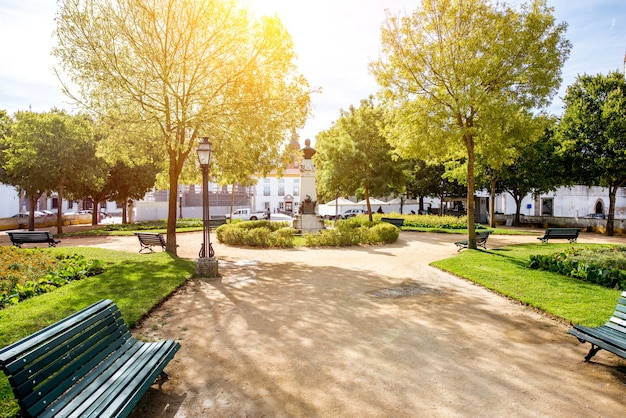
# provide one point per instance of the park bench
(610, 336)
(32, 237)
(481, 240)
(87, 364)
(147, 240)
(570, 234)
(394, 221)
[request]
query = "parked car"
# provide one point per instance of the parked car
(350, 213)
(24, 215)
(595, 216)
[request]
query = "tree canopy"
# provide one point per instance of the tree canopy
(453, 70)
(356, 155)
(187, 69)
(593, 133)
(46, 152)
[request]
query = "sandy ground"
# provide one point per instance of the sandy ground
(365, 332)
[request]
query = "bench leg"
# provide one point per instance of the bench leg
(146, 247)
(592, 352)
(162, 378)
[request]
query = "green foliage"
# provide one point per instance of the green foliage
(257, 234)
(604, 266)
(456, 73)
(353, 231)
(593, 133)
(25, 273)
(354, 156)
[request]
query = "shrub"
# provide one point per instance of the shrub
(29, 272)
(382, 233)
(354, 231)
(605, 266)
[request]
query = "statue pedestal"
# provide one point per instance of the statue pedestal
(308, 223)
(206, 267)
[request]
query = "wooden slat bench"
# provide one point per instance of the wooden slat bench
(32, 237)
(570, 234)
(147, 240)
(481, 240)
(87, 364)
(610, 336)
(394, 221)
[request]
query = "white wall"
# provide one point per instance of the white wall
(9, 201)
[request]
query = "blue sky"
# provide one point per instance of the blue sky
(334, 40)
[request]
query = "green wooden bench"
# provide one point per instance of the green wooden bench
(87, 364)
(394, 221)
(610, 336)
(147, 240)
(32, 237)
(481, 240)
(570, 234)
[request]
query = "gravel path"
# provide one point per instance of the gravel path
(365, 332)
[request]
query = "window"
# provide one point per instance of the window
(296, 190)
(266, 191)
(546, 206)
(266, 180)
(281, 190)
(281, 181)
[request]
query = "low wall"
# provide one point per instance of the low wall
(586, 224)
(7, 224)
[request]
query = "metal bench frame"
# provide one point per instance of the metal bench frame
(147, 240)
(32, 237)
(570, 234)
(394, 221)
(87, 364)
(481, 241)
(610, 336)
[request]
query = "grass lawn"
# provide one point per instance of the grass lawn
(504, 271)
(135, 282)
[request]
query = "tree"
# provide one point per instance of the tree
(187, 68)
(453, 69)
(355, 155)
(48, 151)
(128, 182)
(593, 133)
(522, 177)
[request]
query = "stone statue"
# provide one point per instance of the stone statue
(307, 153)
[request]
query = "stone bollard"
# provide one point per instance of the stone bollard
(207, 267)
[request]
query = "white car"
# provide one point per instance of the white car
(350, 213)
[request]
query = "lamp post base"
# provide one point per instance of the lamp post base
(206, 267)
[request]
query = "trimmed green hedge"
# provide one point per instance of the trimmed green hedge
(605, 266)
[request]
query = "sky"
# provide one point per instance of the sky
(334, 40)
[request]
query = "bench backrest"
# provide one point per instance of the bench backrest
(618, 320)
(151, 238)
(562, 232)
(30, 236)
(45, 364)
(482, 236)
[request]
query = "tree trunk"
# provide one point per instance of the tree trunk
(124, 212)
(232, 203)
(60, 210)
(518, 210)
(171, 246)
(367, 199)
(471, 227)
(31, 214)
(492, 203)
(610, 221)
(95, 212)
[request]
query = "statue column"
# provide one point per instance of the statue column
(307, 219)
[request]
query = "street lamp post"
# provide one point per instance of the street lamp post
(207, 264)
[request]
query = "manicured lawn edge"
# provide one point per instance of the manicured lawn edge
(135, 282)
(504, 271)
